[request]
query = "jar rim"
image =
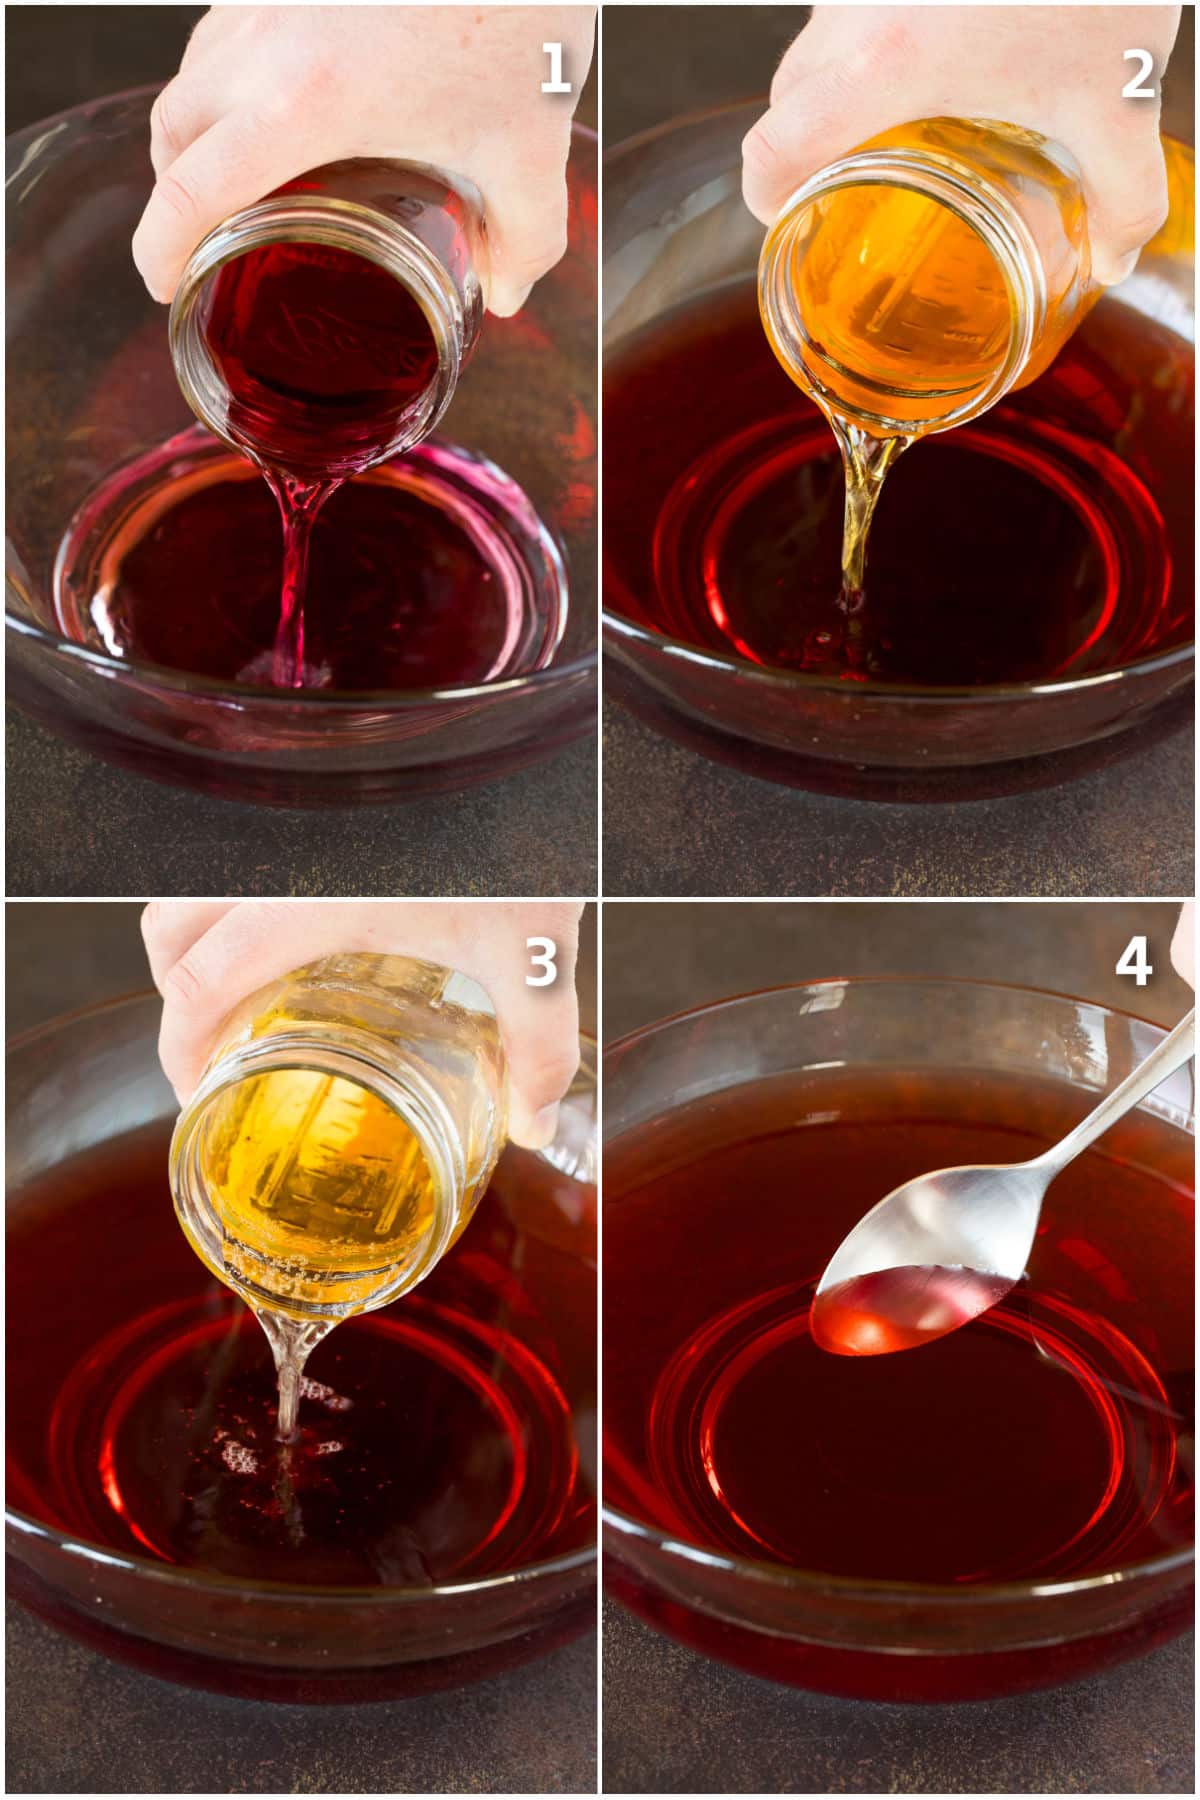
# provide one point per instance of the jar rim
(351, 1057)
(336, 224)
(970, 197)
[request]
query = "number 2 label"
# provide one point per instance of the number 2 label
(1133, 90)
(1134, 960)
(542, 952)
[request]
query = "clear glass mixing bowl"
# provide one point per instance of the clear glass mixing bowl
(675, 225)
(91, 387)
(72, 1084)
(874, 1639)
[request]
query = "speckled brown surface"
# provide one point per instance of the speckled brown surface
(677, 1722)
(79, 1724)
(78, 826)
(660, 960)
(677, 824)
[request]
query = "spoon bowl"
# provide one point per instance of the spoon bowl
(945, 1247)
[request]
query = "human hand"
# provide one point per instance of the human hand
(855, 71)
(1183, 944)
(265, 93)
(206, 956)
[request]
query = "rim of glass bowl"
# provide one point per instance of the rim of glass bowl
(812, 1583)
(71, 1545)
(337, 699)
(787, 679)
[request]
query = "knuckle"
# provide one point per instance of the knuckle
(877, 53)
(163, 133)
(313, 87)
(762, 154)
(535, 252)
(176, 195)
(186, 984)
(550, 1073)
(1138, 224)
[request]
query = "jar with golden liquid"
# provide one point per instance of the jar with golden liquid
(342, 1134)
(912, 283)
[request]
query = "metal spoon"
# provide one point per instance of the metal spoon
(943, 1248)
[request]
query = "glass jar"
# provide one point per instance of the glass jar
(909, 285)
(343, 1132)
(324, 328)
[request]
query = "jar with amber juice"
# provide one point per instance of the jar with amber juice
(911, 284)
(343, 1132)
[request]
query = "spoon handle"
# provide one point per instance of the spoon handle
(1176, 1049)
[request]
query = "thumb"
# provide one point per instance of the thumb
(539, 1027)
(1125, 186)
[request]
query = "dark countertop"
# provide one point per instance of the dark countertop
(80, 826)
(663, 959)
(675, 823)
(678, 1722)
(80, 1724)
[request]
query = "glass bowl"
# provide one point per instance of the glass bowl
(674, 225)
(91, 388)
(874, 1639)
(79, 1080)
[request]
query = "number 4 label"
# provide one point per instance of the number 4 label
(542, 952)
(1134, 961)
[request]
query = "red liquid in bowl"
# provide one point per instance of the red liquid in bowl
(1049, 1439)
(443, 1439)
(1049, 539)
(431, 571)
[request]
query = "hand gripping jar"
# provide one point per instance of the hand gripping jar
(342, 1134)
(909, 285)
(324, 328)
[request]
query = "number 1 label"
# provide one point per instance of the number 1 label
(556, 84)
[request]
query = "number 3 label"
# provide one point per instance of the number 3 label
(542, 952)
(1134, 960)
(1133, 89)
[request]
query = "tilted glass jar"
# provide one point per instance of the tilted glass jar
(342, 1134)
(909, 285)
(291, 341)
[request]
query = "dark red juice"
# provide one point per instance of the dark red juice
(1049, 538)
(443, 1438)
(1048, 1439)
(430, 571)
(323, 353)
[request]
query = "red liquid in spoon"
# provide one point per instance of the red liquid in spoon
(900, 1309)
